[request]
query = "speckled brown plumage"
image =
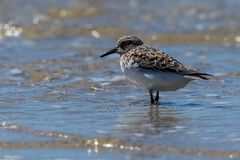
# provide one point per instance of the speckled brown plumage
(147, 58)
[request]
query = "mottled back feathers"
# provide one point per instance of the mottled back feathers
(146, 58)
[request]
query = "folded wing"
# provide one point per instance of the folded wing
(159, 61)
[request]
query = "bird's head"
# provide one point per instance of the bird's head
(124, 44)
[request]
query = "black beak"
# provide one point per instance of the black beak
(114, 50)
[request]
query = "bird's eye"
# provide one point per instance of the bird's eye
(125, 44)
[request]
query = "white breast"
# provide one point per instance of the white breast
(121, 63)
(156, 80)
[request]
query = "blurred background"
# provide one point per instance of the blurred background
(59, 98)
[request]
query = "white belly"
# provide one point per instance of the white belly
(157, 81)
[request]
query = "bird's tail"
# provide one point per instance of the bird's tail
(198, 75)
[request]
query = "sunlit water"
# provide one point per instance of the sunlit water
(59, 100)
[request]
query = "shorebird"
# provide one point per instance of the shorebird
(152, 68)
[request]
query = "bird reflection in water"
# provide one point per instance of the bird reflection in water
(154, 122)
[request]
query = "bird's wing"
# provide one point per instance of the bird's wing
(155, 60)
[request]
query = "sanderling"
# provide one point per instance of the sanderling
(154, 69)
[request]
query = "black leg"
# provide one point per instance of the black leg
(157, 97)
(151, 96)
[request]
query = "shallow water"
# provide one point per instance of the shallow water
(59, 100)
